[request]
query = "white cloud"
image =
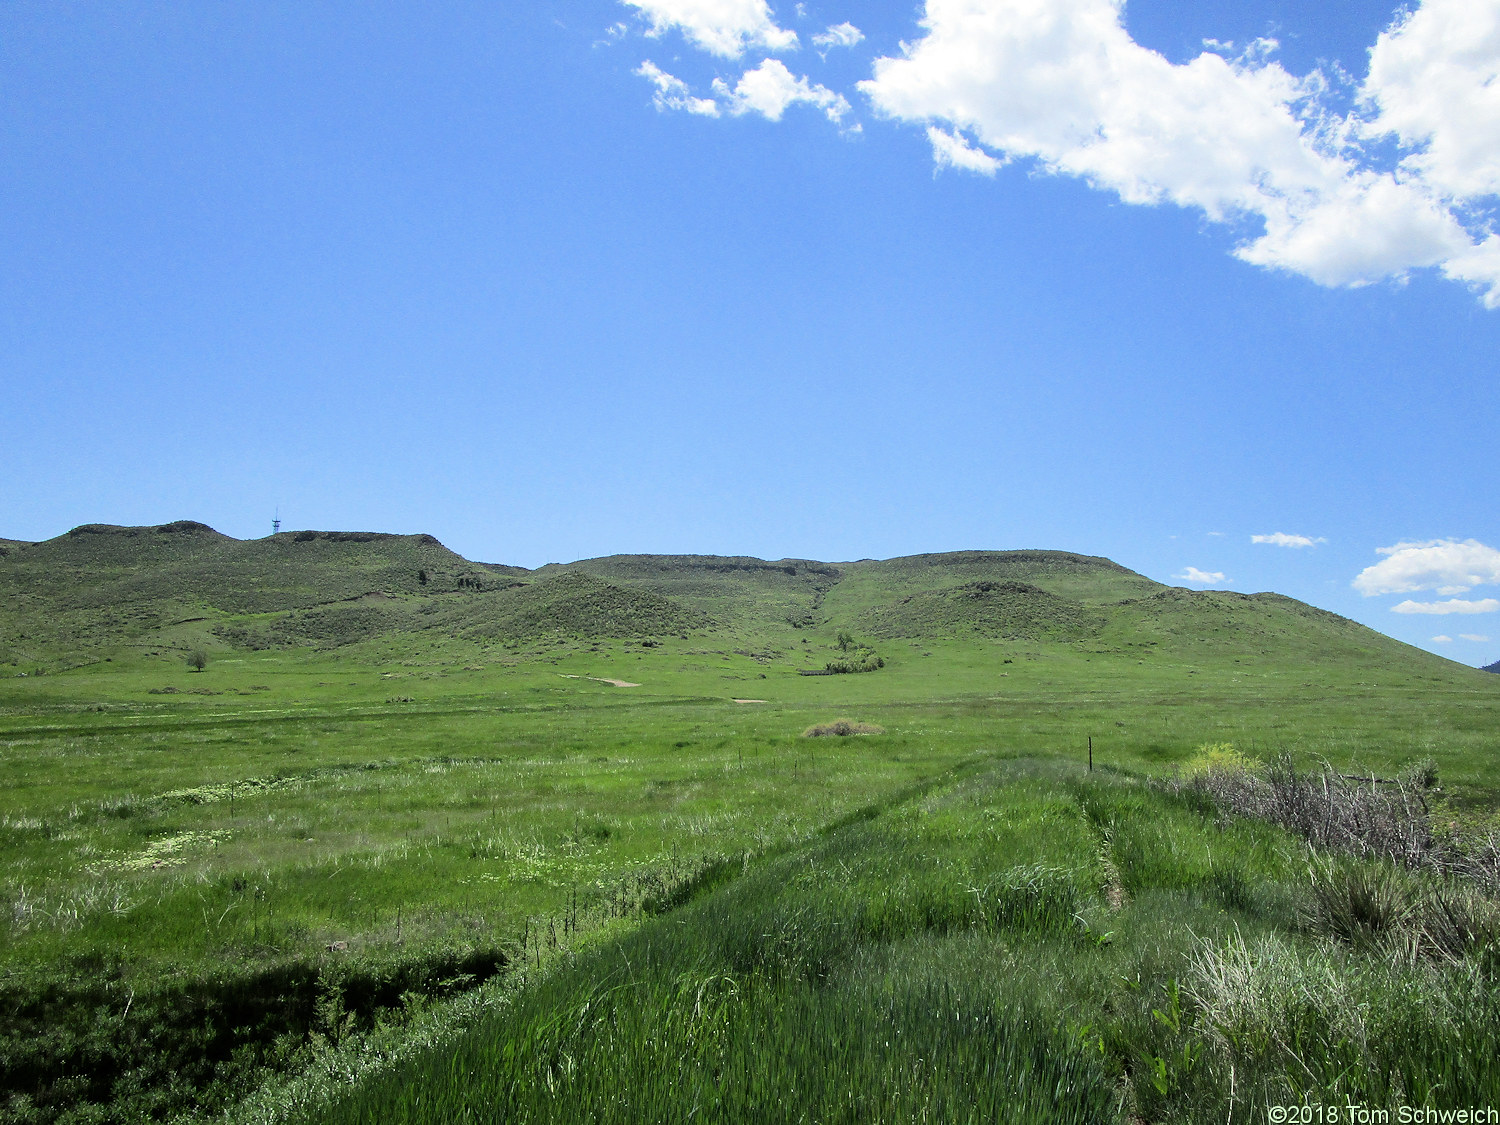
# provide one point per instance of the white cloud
(950, 150)
(770, 89)
(1452, 605)
(1282, 539)
(1201, 577)
(1445, 565)
(1442, 639)
(1237, 137)
(722, 27)
(1480, 267)
(1063, 83)
(673, 93)
(1432, 84)
(1357, 231)
(840, 35)
(1473, 637)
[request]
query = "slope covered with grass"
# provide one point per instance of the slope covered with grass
(103, 592)
(99, 585)
(1029, 943)
(1264, 628)
(573, 604)
(1080, 578)
(1009, 610)
(190, 564)
(744, 593)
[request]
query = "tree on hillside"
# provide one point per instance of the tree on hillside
(197, 660)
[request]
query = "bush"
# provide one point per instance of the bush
(1219, 757)
(842, 727)
(869, 663)
(1369, 817)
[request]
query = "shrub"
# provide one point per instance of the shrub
(1370, 817)
(869, 663)
(1219, 757)
(841, 727)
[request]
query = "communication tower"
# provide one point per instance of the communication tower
(276, 523)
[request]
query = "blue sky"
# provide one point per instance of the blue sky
(481, 270)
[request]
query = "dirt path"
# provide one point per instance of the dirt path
(616, 683)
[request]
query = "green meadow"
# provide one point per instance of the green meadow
(434, 840)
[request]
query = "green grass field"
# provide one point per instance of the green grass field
(408, 848)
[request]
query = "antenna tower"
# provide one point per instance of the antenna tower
(276, 523)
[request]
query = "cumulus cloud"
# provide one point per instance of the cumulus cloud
(840, 35)
(950, 150)
(1480, 267)
(1452, 605)
(727, 28)
(1481, 638)
(673, 92)
(1445, 565)
(770, 89)
(1201, 577)
(1442, 639)
(1062, 83)
(1432, 84)
(1282, 539)
(1407, 179)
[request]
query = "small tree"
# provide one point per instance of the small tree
(844, 641)
(197, 660)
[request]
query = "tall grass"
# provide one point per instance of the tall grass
(729, 1009)
(961, 957)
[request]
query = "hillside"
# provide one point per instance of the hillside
(1495, 667)
(1082, 578)
(99, 584)
(100, 591)
(571, 604)
(805, 593)
(736, 591)
(1008, 610)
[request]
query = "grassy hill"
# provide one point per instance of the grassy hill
(71, 598)
(754, 593)
(570, 604)
(105, 593)
(1008, 610)
(742, 593)
(1000, 598)
(1081, 578)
